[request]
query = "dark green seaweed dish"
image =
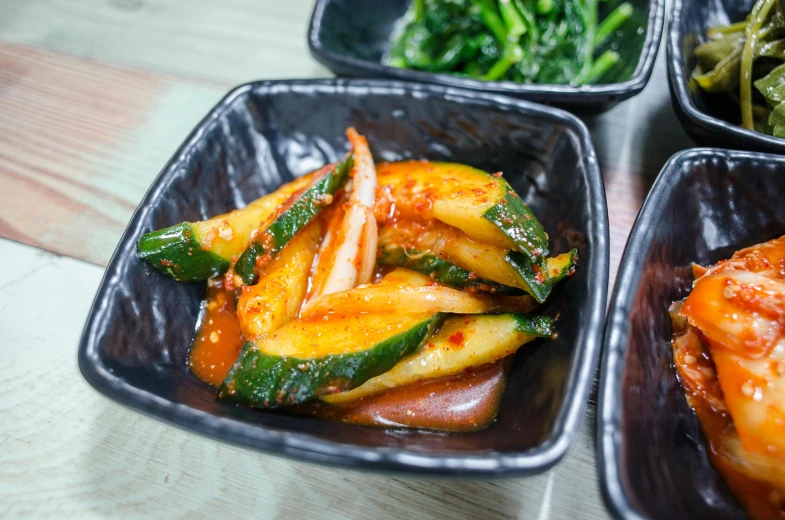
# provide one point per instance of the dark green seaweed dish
(744, 55)
(526, 41)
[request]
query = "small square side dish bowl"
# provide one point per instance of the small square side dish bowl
(712, 120)
(705, 205)
(351, 37)
(136, 341)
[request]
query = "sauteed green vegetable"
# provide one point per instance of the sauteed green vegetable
(527, 41)
(745, 60)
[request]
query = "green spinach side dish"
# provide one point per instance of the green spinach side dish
(526, 41)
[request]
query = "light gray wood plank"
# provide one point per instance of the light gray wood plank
(227, 41)
(80, 143)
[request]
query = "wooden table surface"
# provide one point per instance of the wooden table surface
(95, 96)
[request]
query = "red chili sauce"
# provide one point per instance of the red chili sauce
(460, 403)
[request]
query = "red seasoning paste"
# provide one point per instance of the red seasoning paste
(218, 341)
(460, 403)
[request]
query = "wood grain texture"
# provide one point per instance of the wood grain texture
(80, 144)
(227, 41)
(68, 452)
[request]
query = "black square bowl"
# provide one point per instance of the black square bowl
(350, 37)
(705, 205)
(710, 119)
(138, 333)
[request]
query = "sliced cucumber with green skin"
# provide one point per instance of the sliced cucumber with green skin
(420, 246)
(515, 219)
(441, 270)
(194, 251)
(560, 267)
(539, 284)
(541, 280)
(268, 242)
(277, 298)
(462, 342)
(177, 252)
(310, 358)
(483, 206)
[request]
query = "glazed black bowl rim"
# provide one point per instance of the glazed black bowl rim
(617, 326)
(305, 447)
(679, 86)
(583, 93)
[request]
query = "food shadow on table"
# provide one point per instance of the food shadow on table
(705, 205)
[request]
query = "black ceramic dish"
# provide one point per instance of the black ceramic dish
(137, 336)
(705, 205)
(709, 119)
(351, 36)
